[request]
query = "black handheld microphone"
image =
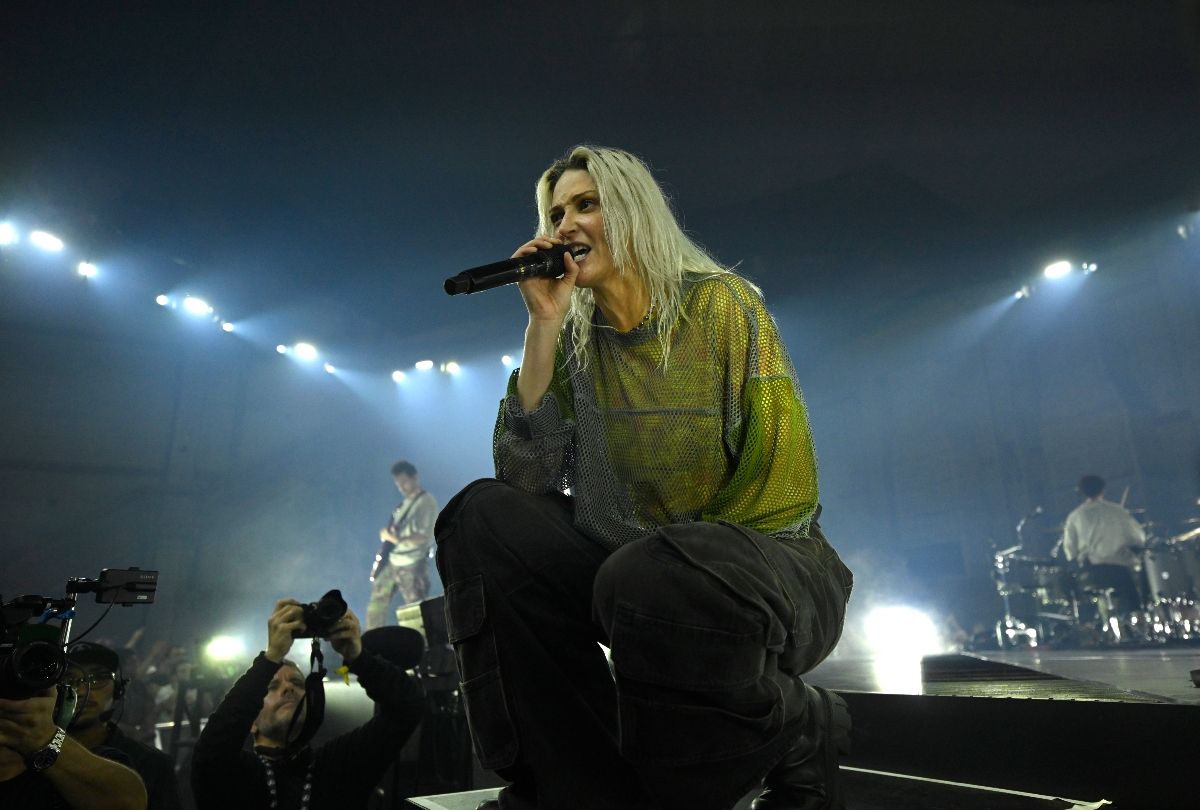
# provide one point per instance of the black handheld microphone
(545, 263)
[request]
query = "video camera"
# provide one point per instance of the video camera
(33, 651)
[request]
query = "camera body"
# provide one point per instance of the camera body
(322, 615)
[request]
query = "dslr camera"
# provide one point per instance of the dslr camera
(322, 615)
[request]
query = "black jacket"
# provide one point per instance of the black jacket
(346, 769)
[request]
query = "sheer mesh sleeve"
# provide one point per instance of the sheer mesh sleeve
(533, 450)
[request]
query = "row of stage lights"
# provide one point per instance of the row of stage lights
(1055, 272)
(197, 307)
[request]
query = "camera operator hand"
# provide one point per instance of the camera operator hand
(26, 726)
(287, 618)
(346, 637)
(80, 778)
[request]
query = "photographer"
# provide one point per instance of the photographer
(280, 773)
(40, 767)
(95, 672)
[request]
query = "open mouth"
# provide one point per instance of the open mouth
(579, 251)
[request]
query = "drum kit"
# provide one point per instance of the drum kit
(1048, 602)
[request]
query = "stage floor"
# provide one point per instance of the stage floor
(943, 731)
(1136, 675)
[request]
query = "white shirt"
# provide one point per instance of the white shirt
(1100, 532)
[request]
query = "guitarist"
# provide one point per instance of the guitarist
(407, 541)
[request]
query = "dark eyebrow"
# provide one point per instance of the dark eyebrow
(591, 192)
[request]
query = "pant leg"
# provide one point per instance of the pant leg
(538, 691)
(382, 591)
(711, 626)
(413, 583)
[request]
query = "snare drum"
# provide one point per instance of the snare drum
(1027, 574)
(1053, 582)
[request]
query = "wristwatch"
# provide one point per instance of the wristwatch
(43, 759)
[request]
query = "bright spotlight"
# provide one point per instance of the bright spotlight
(281, 349)
(398, 376)
(424, 365)
(196, 306)
(451, 368)
(507, 360)
(9, 235)
(46, 241)
(329, 369)
(1057, 270)
(87, 269)
(305, 351)
(1089, 268)
(225, 648)
(162, 300)
(902, 630)
(226, 326)
(1024, 292)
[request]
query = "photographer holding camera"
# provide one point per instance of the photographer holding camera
(41, 767)
(94, 671)
(268, 701)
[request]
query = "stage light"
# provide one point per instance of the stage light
(9, 235)
(281, 349)
(1024, 292)
(226, 326)
(162, 300)
(398, 376)
(424, 365)
(225, 648)
(87, 269)
(46, 241)
(1088, 268)
(507, 360)
(451, 368)
(902, 630)
(196, 306)
(305, 351)
(1057, 270)
(329, 369)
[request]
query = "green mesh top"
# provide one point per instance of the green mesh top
(721, 434)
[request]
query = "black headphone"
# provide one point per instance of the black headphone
(119, 682)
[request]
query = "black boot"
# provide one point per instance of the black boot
(807, 776)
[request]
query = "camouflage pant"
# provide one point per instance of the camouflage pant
(412, 581)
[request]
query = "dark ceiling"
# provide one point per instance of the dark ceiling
(336, 162)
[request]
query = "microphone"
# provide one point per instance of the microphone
(544, 263)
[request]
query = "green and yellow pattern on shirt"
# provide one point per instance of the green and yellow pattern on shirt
(721, 434)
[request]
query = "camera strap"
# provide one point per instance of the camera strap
(314, 698)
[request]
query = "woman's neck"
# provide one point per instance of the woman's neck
(625, 303)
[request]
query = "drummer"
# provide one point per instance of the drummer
(1105, 540)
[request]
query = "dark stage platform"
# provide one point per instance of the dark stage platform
(1010, 729)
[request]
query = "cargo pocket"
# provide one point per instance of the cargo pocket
(482, 688)
(685, 656)
(662, 734)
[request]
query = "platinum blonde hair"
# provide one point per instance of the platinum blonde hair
(642, 233)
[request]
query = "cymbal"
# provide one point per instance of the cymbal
(1186, 537)
(1191, 521)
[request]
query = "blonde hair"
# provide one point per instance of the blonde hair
(642, 233)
